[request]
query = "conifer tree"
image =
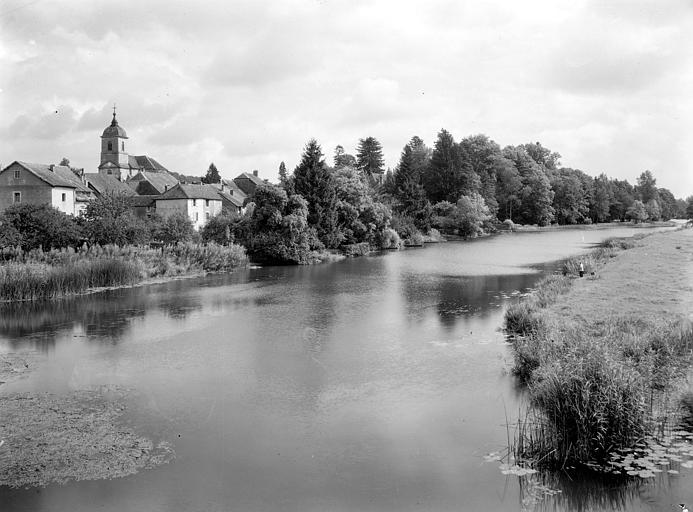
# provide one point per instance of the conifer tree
(369, 157)
(314, 182)
(212, 175)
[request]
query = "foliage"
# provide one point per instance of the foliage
(369, 156)
(219, 229)
(342, 159)
(212, 175)
(470, 214)
(109, 219)
(175, 228)
(316, 184)
(277, 230)
(637, 212)
(449, 174)
(39, 226)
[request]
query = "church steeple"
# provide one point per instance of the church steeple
(114, 159)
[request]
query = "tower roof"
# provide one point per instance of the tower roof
(114, 130)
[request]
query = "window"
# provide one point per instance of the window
(206, 215)
(194, 202)
(123, 146)
(109, 171)
(110, 146)
(197, 216)
(64, 197)
(17, 197)
(16, 174)
(207, 203)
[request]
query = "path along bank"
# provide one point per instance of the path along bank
(605, 357)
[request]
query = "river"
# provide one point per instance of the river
(371, 384)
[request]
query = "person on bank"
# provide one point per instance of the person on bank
(582, 269)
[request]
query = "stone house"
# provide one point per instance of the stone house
(56, 185)
(199, 202)
(248, 182)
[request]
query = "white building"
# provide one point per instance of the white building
(199, 202)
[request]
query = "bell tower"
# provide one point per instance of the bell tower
(114, 159)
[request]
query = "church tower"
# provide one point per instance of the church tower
(114, 160)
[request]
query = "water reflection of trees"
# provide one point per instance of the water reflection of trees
(456, 297)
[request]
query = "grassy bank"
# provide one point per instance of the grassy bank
(33, 275)
(604, 357)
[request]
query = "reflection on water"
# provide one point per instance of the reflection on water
(372, 384)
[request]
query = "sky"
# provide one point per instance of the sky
(245, 84)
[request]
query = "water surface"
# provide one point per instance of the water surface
(375, 383)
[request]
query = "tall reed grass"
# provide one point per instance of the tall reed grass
(37, 274)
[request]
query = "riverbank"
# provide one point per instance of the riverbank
(37, 275)
(605, 357)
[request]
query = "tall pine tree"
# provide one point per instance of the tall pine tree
(314, 182)
(369, 156)
(212, 175)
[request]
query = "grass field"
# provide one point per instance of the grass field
(605, 357)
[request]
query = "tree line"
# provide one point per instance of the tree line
(463, 188)
(354, 205)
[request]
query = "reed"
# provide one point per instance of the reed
(37, 274)
(593, 386)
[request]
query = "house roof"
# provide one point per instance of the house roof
(255, 179)
(102, 184)
(231, 187)
(182, 191)
(145, 162)
(160, 180)
(55, 175)
(234, 200)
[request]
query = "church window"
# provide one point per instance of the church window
(123, 146)
(110, 146)
(17, 197)
(16, 174)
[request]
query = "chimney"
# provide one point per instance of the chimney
(165, 188)
(255, 172)
(222, 185)
(51, 166)
(230, 191)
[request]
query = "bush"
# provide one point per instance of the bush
(40, 226)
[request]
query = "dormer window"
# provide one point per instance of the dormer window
(110, 146)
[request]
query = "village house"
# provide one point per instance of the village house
(248, 182)
(198, 202)
(56, 185)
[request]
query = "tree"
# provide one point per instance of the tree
(449, 174)
(647, 187)
(689, 207)
(220, 229)
(486, 159)
(212, 175)
(602, 198)
(624, 195)
(508, 186)
(283, 177)
(314, 182)
(471, 213)
(535, 196)
(278, 229)
(570, 200)
(41, 226)
(544, 157)
(342, 159)
(637, 212)
(175, 228)
(667, 204)
(410, 195)
(9, 235)
(109, 219)
(65, 161)
(369, 156)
